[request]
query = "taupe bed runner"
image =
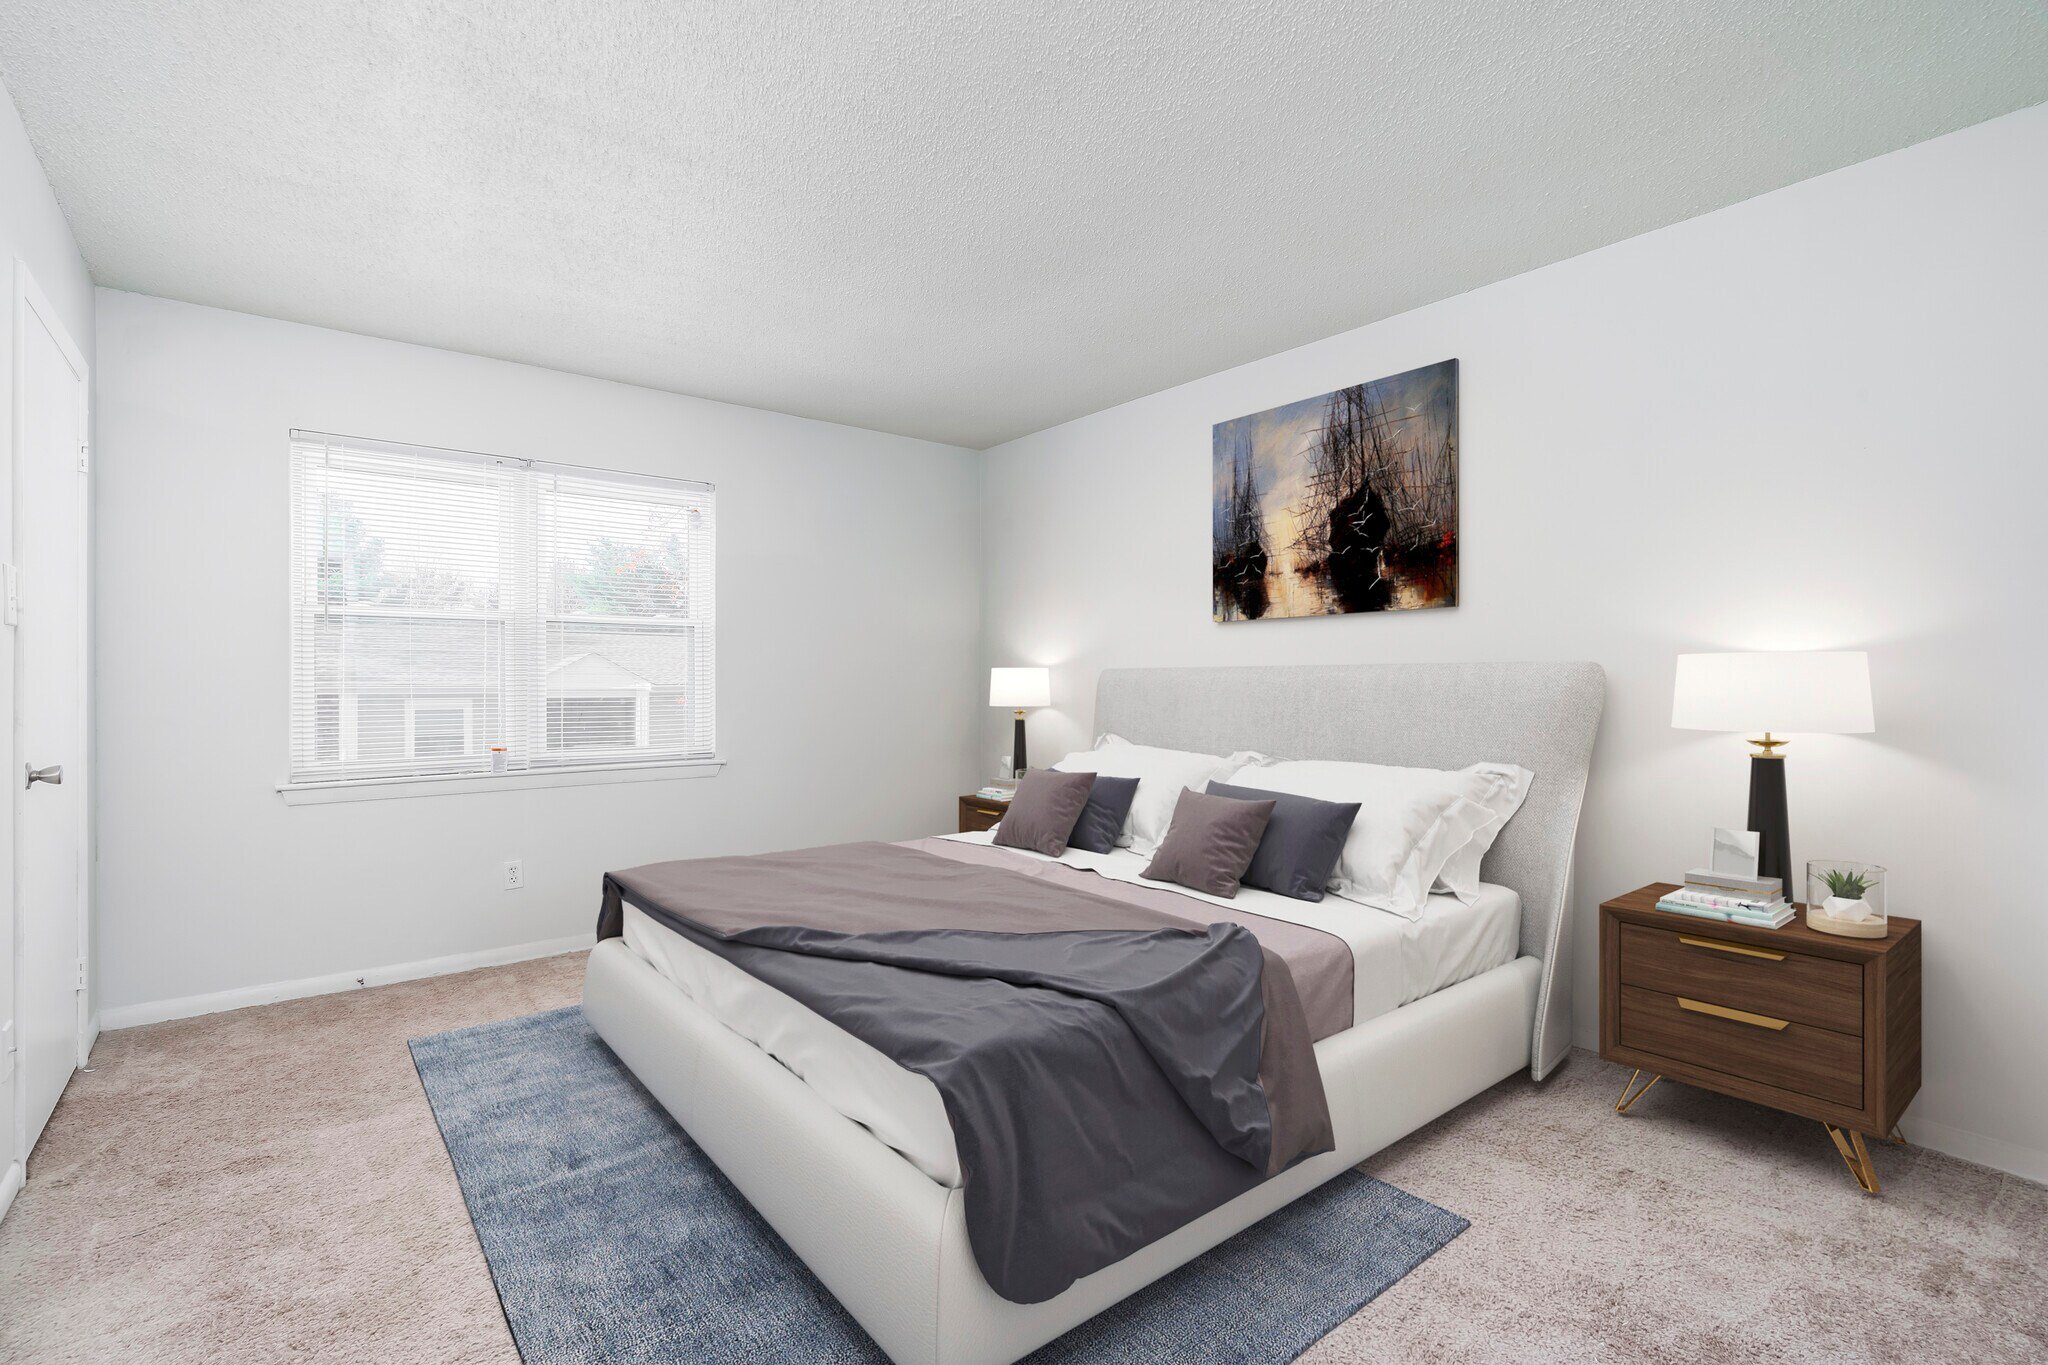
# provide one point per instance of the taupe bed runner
(1110, 1072)
(1320, 961)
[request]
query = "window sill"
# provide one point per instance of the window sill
(449, 784)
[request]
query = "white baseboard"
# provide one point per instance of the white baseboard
(10, 1185)
(2000, 1155)
(1996, 1153)
(156, 1012)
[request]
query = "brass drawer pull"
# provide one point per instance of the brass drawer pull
(1739, 1016)
(1718, 946)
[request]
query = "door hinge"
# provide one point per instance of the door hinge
(83, 969)
(84, 455)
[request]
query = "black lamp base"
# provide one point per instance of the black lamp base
(1017, 749)
(1767, 817)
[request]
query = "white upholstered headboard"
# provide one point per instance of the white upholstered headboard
(1539, 715)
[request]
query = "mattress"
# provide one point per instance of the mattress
(1395, 961)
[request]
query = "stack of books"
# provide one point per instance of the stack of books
(1756, 901)
(998, 791)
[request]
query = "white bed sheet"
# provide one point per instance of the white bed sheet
(1395, 961)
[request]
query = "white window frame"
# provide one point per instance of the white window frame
(545, 767)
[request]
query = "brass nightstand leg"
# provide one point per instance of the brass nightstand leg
(1856, 1157)
(1622, 1105)
(1897, 1139)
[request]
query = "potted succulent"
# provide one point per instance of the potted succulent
(1845, 898)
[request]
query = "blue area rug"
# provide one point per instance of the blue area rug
(613, 1238)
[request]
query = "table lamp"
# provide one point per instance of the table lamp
(1018, 688)
(1819, 693)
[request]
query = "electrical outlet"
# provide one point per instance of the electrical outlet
(515, 874)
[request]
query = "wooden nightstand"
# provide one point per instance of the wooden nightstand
(980, 812)
(1824, 1027)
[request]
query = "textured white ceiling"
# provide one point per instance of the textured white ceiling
(953, 220)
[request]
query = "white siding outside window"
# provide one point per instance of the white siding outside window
(446, 604)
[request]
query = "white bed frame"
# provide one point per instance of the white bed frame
(891, 1243)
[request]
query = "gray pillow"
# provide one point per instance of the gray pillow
(1210, 842)
(1302, 843)
(1043, 812)
(1102, 819)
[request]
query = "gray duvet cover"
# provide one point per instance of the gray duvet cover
(1111, 1072)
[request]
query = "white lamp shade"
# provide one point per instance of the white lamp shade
(1018, 688)
(1815, 693)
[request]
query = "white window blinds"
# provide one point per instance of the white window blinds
(448, 605)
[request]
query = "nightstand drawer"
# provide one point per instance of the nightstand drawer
(1796, 1057)
(977, 815)
(1785, 985)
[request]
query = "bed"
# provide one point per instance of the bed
(850, 1160)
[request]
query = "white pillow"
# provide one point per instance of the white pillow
(1162, 774)
(1411, 822)
(1507, 786)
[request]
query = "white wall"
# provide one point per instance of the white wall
(848, 634)
(32, 233)
(32, 229)
(1817, 419)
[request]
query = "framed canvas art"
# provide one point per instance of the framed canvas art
(1341, 503)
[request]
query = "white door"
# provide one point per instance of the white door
(10, 1069)
(49, 706)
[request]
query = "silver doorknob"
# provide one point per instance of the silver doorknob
(54, 774)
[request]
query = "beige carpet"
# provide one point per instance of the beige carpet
(269, 1185)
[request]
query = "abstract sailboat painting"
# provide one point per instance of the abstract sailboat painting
(1340, 503)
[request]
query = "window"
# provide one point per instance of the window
(446, 604)
(596, 722)
(439, 729)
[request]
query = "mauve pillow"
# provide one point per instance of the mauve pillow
(1102, 819)
(1043, 812)
(1302, 842)
(1210, 842)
